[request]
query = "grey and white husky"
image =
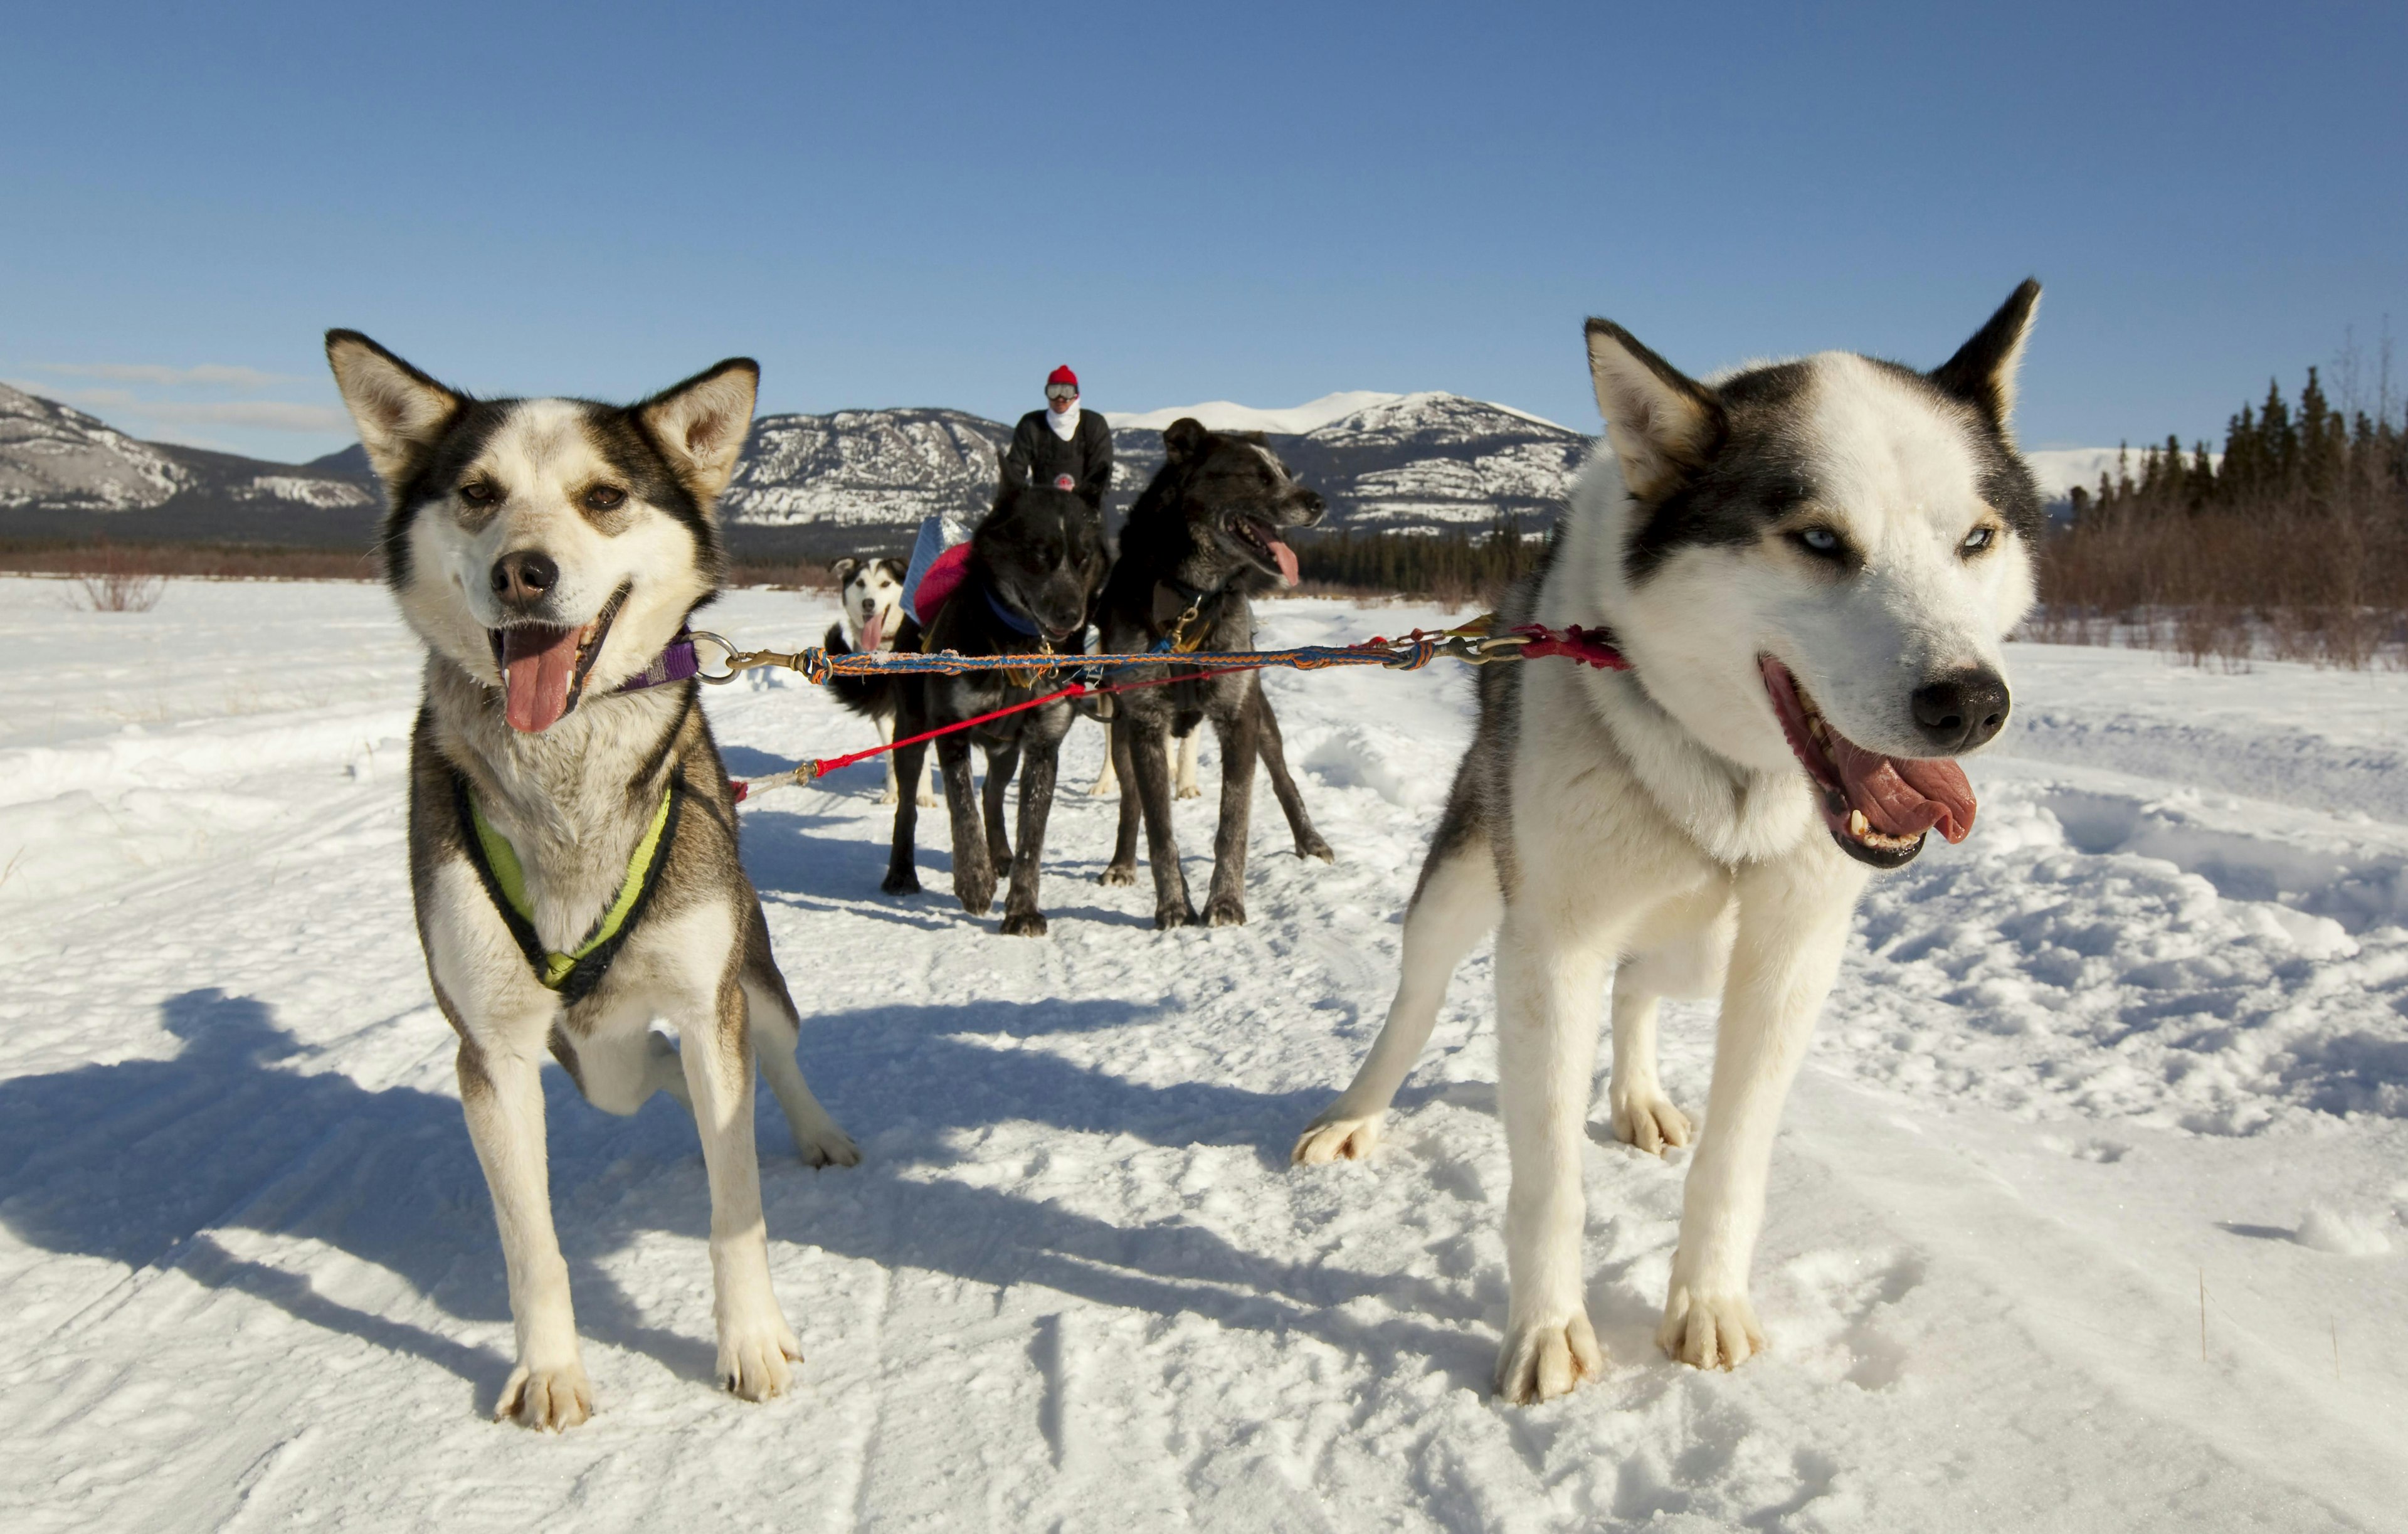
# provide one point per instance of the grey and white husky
(572, 836)
(1810, 566)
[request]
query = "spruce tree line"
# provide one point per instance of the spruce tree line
(2292, 544)
(1455, 565)
(2316, 457)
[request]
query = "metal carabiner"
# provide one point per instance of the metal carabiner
(698, 636)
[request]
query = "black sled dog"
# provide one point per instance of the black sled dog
(1035, 565)
(572, 836)
(1204, 536)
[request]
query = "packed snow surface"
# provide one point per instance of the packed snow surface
(2087, 1213)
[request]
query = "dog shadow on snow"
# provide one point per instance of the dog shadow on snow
(166, 1164)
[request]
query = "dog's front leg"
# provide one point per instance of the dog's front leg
(1001, 763)
(1122, 869)
(501, 1095)
(902, 860)
(1547, 980)
(973, 872)
(886, 738)
(1274, 751)
(1793, 924)
(756, 1345)
(1149, 772)
(1240, 744)
(1021, 917)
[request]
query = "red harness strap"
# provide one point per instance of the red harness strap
(821, 767)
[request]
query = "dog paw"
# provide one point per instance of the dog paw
(976, 894)
(1224, 911)
(1166, 917)
(549, 1399)
(1118, 874)
(756, 1362)
(928, 800)
(890, 796)
(1313, 846)
(1541, 1361)
(901, 883)
(1190, 791)
(1648, 1120)
(1708, 1331)
(826, 1145)
(1024, 923)
(1326, 1139)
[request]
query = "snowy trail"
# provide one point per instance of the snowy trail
(2148, 1028)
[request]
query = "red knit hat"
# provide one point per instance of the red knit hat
(1062, 374)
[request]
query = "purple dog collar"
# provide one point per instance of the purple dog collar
(674, 664)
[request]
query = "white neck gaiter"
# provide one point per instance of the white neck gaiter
(1064, 423)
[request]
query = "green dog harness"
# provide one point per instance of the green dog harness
(577, 972)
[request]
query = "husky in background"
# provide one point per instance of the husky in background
(1203, 536)
(1810, 566)
(572, 836)
(1034, 566)
(870, 595)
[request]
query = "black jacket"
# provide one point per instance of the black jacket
(1087, 457)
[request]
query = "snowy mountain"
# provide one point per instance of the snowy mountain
(851, 482)
(1221, 415)
(66, 474)
(859, 481)
(832, 478)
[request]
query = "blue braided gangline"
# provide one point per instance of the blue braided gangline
(817, 665)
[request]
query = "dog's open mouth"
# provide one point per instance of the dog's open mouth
(544, 665)
(1261, 539)
(1878, 808)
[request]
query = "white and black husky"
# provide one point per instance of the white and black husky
(1810, 566)
(871, 597)
(572, 836)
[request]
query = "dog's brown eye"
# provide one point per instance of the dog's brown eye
(481, 493)
(604, 498)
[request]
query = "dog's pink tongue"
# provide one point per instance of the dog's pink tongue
(537, 666)
(1286, 557)
(1905, 795)
(872, 629)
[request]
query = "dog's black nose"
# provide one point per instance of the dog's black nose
(525, 576)
(1961, 712)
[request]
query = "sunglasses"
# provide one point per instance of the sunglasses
(1061, 390)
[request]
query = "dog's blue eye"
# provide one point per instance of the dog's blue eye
(1977, 540)
(1822, 540)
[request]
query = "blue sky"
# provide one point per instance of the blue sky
(919, 204)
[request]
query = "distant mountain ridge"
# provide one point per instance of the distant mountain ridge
(67, 475)
(817, 486)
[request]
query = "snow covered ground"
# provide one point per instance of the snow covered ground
(2139, 1040)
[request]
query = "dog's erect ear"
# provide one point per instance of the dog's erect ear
(1007, 473)
(843, 569)
(1663, 424)
(399, 410)
(700, 425)
(1983, 371)
(1184, 439)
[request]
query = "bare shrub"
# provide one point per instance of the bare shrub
(117, 584)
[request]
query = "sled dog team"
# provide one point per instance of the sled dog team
(1809, 564)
